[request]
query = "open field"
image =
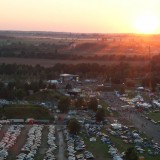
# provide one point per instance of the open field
(24, 112)
(98, 149)
(50, 63)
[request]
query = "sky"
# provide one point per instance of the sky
(85, 16)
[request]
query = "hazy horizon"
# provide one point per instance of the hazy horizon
(1, 30)
(81, 16)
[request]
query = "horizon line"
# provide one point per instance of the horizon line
(149, 34)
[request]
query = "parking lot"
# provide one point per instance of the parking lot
(29, 142)
(96, 140)
(44, 142)
(138, 119)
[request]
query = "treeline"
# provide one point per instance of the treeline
(118, 73)
(85, 70)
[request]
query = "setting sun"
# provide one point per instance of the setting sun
(146, 24)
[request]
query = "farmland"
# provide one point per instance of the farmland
(79, 47)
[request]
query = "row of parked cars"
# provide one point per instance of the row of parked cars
(50, 153)
(142, 145)
(9, 140)
(29, 150)
(113, 151)
(94, 131)
(76, 148)
(127, 135)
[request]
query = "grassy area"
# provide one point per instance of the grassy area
(99, 150)
(122, 146)
(39, 157)
(48, 95)
(154, 115)
(24, 112)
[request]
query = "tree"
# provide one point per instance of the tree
(79, 102)
(7, 94)
(41, 84)
(122, 89)
(20, 94)
(68, 86)
(93, 104)
(1, 85)
(11, 85)
(52, 86)
(64, 104)
(34, 86)
(73, 126)
(131, 154)
(100, 114)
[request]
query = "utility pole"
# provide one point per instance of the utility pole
(149, 56)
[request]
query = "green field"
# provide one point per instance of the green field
(24, 112)
(99, 150)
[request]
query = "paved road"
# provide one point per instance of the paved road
(61, 146)
(150, 129)
(144, 125)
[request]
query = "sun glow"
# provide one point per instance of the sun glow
(146, 24)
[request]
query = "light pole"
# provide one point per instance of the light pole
(149, 56)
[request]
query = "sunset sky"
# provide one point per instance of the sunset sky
(98, 16)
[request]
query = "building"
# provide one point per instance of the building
(69, 77)
(53, 82)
